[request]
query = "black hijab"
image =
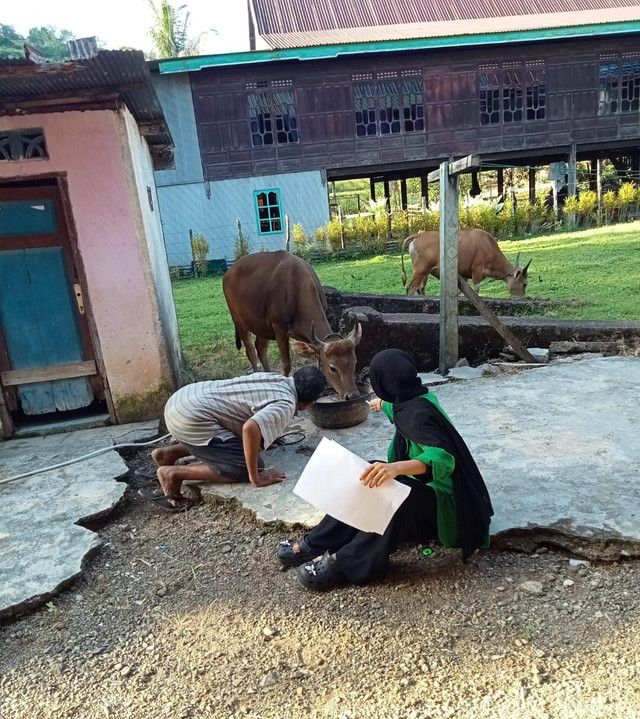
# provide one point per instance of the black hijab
(394, 378)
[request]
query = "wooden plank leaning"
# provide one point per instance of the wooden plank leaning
(484, 309)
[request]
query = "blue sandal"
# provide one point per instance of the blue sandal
(321, 573)
(292, 554)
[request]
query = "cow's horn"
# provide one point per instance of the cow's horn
(526, 267)
(356, 333)
(517, 260)
(314, 340)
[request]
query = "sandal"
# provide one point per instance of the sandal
(321, 573)
(163, 501)
(292, 554)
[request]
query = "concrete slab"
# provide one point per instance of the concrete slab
(41, 545)
(556, 447)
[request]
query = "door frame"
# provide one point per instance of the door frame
(53, 187)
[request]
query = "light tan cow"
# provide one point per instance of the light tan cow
(479, 257)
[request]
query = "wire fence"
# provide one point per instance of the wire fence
(360, 226)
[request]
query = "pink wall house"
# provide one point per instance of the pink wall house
(87, 320)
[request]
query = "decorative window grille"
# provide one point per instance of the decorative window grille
(387, 108)
(512, 94)
(269, 211)
(536, 89)
(22, 145)
(630, 86)
(365, 110)
(260, 117)
(608, 88)
(286, 119)
(389, 99)
(489, 89)
(413, 106)
(273, 118)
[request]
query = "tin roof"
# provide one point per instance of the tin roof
(285, 24)
(107, 78)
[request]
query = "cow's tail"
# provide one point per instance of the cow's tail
(404, 244)
(238, 340)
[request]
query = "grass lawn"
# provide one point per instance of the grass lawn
(600, 267)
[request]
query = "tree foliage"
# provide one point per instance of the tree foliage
(50, 41)
(170, 31)
(10, 42)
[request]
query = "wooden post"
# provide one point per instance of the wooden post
(287, 233)
(593, 181)
(403, 194)
(573, 163)
(501, 183)
(388, 206)
(554, 188)
(532, 185)
(193, 255)
(385, 185)
(448, 269)
(599, 189)
(340, 220)
(424, 190)
(372, 187)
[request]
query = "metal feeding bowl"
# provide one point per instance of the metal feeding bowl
(331, 412)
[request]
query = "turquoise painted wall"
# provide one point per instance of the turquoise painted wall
(213, 213)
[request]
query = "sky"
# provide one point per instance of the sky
(125, 23)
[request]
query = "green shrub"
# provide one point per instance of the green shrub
(242, 243)
(570, 211)
(626, 198)
(199, 251)
(587, 205)
(400, 224)
(301, 244)
(609, 206)
(321, 238)
(334, 234)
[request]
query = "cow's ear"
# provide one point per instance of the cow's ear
(304, 349)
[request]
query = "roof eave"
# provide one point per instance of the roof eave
(321, 52)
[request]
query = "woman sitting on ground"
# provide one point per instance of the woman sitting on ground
(448, 500)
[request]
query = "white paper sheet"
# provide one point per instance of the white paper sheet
(330, 482)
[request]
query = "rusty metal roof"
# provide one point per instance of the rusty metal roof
(109, 76)
(285, 24)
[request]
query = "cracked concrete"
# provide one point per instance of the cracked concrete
(555, 444)
(42, 546)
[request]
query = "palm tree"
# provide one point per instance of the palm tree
(170, 31)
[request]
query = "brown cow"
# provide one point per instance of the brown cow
(478, 257)
(275, 296)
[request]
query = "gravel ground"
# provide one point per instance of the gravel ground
(189, 616)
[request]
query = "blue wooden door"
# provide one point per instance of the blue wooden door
(39, 315)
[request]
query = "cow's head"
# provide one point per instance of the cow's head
(517, 279)
(336, 359)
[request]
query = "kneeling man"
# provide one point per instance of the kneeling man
(225, 424)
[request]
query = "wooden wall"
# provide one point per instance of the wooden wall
(323, 92)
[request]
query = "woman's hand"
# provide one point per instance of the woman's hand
(376, 404)
(378, 473)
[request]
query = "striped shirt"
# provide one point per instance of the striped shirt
(201, 411)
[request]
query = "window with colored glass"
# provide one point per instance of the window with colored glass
(269, 211)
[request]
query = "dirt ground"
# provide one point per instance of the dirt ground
(189, 616)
